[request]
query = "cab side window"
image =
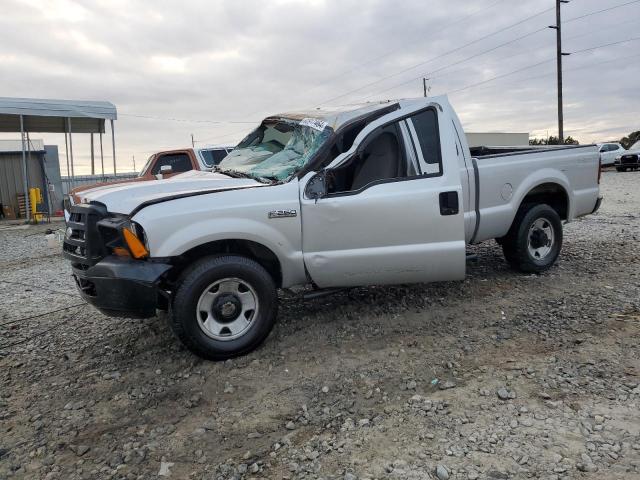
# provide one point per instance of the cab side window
(381, 157)
(179, 162)
(213, 157)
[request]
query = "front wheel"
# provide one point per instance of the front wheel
(534, 240)
(224, 306)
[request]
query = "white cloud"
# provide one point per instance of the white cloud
(240, 60)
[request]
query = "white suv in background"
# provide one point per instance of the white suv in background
(609, 152)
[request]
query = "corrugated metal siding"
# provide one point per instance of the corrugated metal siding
(52, 171)
(11, 176)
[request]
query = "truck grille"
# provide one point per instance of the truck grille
(83, 244)
(629, 159)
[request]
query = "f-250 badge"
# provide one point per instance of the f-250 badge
(282, 213)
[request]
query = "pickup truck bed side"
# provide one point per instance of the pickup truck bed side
(565, 176)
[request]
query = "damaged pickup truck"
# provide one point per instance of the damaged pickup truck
(384, 193)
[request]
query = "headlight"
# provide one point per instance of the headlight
(123, 237)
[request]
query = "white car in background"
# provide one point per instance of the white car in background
(609, 152)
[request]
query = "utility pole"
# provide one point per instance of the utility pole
(424, 86)
(559, 54)
(134, 163)
(193, 143)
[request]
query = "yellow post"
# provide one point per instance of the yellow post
(35, 198)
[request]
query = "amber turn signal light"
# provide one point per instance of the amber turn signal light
(136, 247)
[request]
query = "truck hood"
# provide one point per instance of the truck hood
(125, 197)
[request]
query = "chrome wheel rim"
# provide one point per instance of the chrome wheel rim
(541, 239)
(226, 309)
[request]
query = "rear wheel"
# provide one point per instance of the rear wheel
(225, 306)
(620, 169)
(534, 240)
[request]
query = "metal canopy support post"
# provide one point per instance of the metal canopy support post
(101, 155)
(73, 176)
(93, 158)
(25, 183)
(113, 147)
(66, 152)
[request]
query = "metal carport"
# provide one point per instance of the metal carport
(28, 115)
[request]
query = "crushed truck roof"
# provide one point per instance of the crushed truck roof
(337, 116)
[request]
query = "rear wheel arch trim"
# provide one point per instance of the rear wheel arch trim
(522, 200)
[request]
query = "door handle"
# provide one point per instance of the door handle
(449, 203)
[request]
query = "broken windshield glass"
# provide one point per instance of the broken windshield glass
(277, 149)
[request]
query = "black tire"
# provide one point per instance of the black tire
(515, 245)
(196, 280)
(620, 169)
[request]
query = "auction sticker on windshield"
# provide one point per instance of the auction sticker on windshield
(314, 123)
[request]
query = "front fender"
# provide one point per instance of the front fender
(179, 225)
(202, 232)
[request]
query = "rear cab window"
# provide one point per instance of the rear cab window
(424, 127)
(179, 162)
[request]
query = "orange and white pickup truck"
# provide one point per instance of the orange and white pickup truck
(161, 165)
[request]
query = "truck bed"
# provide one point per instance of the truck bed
(503, 176)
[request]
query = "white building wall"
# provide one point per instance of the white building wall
(497, 139)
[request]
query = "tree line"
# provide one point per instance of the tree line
(625, 141)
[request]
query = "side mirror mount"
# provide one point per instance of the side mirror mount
(165, 169)
(316, 186)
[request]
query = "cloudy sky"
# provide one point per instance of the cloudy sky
(213, 68)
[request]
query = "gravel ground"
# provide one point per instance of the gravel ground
(500, 376)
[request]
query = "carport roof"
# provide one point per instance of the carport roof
(46, 115)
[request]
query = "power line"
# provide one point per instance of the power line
(432, 34)
(590, 32)
(391, 52)
(606, 45)
(600, 11)
(185, 120)
(580, 67)
(458, 62)
(438, 56)
(539, 63)
(517, 54)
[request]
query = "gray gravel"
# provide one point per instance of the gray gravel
(501, 376)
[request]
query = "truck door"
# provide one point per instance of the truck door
(391, 209)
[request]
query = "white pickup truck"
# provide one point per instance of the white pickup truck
(384, 193)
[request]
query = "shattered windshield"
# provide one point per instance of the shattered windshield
(277, 149)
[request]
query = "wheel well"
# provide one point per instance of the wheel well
(261, 254)
(553, 195)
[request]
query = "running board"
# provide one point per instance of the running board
(324, 292)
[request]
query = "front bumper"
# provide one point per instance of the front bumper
(122, 287)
